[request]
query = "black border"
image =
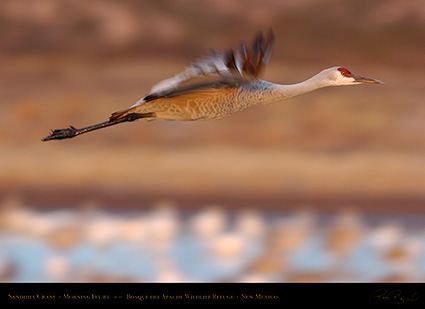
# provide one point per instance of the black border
(341, 294)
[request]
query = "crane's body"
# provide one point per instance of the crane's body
(209, 104)
(217, 86)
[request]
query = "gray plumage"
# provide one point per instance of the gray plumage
(217, 86)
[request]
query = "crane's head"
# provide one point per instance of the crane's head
(339, 76)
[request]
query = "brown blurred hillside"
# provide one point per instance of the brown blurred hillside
(309, 31)
(74, 62)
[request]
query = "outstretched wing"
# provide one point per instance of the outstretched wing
(214, 71)
(229, 69)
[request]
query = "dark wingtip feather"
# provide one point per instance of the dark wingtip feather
(255, 58)
(230, 61)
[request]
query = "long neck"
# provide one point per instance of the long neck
(290, 91)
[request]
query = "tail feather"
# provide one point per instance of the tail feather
(117, 115)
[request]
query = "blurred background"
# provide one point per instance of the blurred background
(329, 186)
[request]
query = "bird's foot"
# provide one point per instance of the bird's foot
(61, 133)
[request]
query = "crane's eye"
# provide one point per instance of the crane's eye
(344, 72)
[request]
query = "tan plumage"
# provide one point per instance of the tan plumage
(216, 86)
(197, 105)
(206, 89)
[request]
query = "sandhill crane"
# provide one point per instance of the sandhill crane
(217, 86)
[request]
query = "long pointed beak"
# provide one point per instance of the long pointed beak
(362, 79)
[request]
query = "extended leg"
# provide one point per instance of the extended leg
(72, 131)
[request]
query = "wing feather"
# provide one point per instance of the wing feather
(210, 77)
(229, 69)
